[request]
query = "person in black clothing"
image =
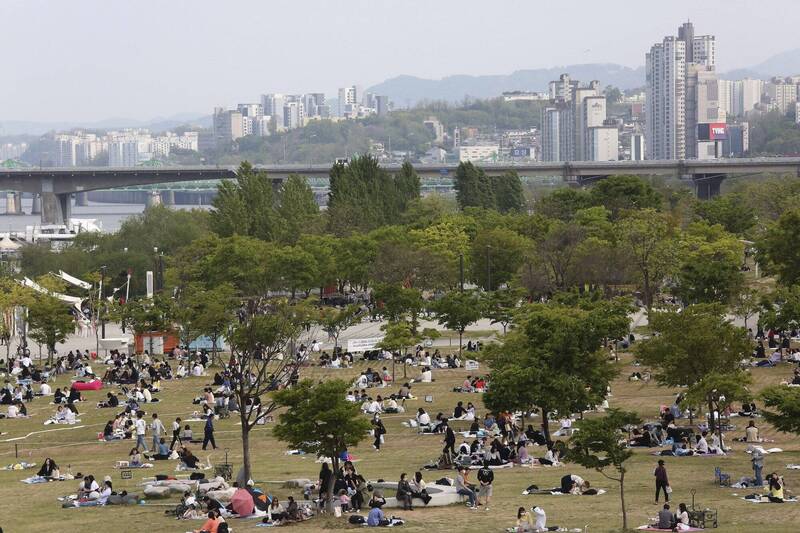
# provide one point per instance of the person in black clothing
(325, 479)
(48, 468)
(208, 433)
(486, 477)
(449, 440)
(379, 431)
(459, 411)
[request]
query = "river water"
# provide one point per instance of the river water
(110, 216)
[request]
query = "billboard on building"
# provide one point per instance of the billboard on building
(520, 152)
(715, 131)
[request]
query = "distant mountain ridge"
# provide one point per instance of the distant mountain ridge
(408, 90)
(156, 125)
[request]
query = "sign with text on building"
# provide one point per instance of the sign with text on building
(362, 345)
(715, 131)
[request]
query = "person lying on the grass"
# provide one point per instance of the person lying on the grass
(573, 484)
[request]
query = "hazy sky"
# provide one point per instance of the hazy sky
(96, 59)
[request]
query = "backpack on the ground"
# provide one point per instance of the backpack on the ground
(357, 519)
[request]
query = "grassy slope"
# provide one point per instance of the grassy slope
(34, 507)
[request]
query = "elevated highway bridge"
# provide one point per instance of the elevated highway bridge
(56, 185)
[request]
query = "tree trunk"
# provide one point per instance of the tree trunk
(460, 341)
(334, 475)
(622, 501)
(245, 442)
(712, 424)
(648, 298)
(545, 426)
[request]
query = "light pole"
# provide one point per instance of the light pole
(102, 301)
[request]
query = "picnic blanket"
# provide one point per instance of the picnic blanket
(125, 464)
(651, 528)
(61, 422)
(557, 492)
(764, 499)
(39, 479)
(22, 465)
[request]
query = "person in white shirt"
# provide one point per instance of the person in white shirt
(541, 519)
(105, 492)
(147, 396)
(702, 444)
(350, 397)
(26, 361)
(69, 416)
(45, 390)
(361, 382)
(141, 429)
(181, 371)
(13, 411)
(197, 370)
(374, 407)
(423, 419)
(426, 376)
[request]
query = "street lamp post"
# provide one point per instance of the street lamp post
(102, 301)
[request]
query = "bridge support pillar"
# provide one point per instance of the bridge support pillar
(707, 186)
(56, 208)
(13, 204)
(168, 197)
(36, 205)
(153, 199)
(81, 199)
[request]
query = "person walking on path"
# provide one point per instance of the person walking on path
(141, 429)
(758, 465)
(379, 431)
(662, 481)
(158, 429)
(208, 433)
(176, 433)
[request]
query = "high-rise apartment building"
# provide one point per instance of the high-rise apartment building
(782, 93)
(272, 105)
(682, 92)
(227, 126)
(567, 123)
(293, 115)
(348, 102)
(382, 105)
(123, 153)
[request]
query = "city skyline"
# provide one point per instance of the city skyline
(104, 59)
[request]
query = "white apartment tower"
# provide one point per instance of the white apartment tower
(348, 101)
(672, 110)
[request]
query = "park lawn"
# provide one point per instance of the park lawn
(33, 508)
